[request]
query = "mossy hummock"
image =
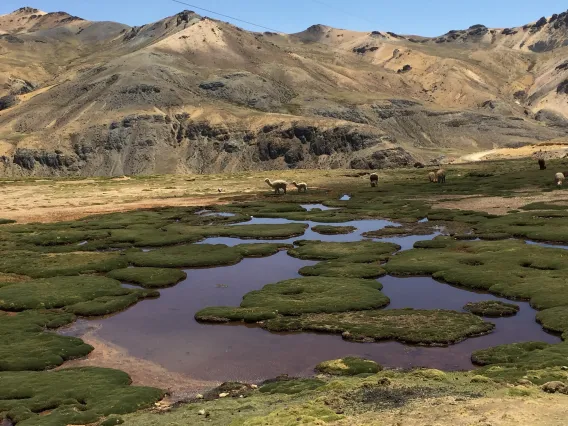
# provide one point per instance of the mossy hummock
(333, 230)
(348, 366)
(351, 252)
(82, 295)
(420, 327)
(505, 268)
(71, 396)
(149, 277)
(25, 345)
(200, 255)
(492, 308)
(298, 296)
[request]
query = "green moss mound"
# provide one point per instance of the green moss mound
(350, 252)
(421, 327)
(405, 230)
(6, 221)
(149, 277)
(505, 268)
(260, 249)
(492, 308)
(555, 320)
(551, 225)
(536, 361)
(301, 295)
(112, 421)
(82, 295)
(348, 366)
(333, 230)
(291, 386)
(24, 345)
(336, 268)
(199, 255)
(40, 265)
(71, 396)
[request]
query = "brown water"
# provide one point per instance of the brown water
(164, 330)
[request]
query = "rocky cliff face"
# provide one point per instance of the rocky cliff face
(193, 95)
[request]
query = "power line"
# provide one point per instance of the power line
(343, 11)
(227, 16)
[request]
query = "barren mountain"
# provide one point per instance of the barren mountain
(192, 94)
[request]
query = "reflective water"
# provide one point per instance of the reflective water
(164, 330)
(536, 243)
(309, 207)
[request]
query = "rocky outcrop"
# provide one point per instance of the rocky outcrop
(563, 88)
(384, 159)
(551, 118)
(247, 89)
(28, 158)
(8, 102)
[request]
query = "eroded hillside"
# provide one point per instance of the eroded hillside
(192, 94)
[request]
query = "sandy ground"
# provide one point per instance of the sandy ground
(545, 150)
(499, 205)
(143, 373)
(45, 200)
(544, 410)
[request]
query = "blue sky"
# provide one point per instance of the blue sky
(420, 17)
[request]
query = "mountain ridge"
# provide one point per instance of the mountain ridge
(191, 94)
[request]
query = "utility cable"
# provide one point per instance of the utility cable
(227, 16)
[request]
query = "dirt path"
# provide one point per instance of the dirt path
(547, 151)
(500, 205)
(544, 410)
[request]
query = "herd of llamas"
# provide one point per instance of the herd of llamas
(434, 177)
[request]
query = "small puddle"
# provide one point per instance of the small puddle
(310, 207)
(213, 213)
(345, 198)
(546, 245)
(82, 243)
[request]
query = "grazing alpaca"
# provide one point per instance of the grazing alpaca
(542, 164)
(559, 178)
(374, 179)
(302, 187)
(277, 185)
(432, 177)
(441, 175)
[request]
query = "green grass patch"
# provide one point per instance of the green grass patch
(72, 396)
(45, 265)
(25, 345)
(555, 320)
(82, 295)
(290, 386)
(505, 268)
(333, 230)
(421, 327)
(336, 268)
(301, 295)
(149, 277)
(351, 252)
(348, 366)
(200, 255)
(492, 308)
